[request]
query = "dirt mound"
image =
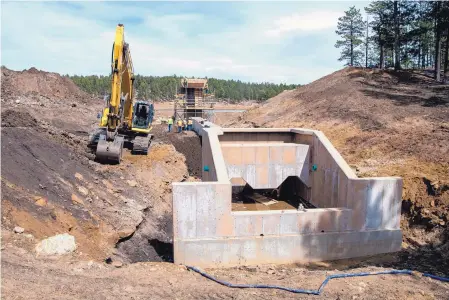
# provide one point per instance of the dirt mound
(384, 123)
(47, 97)
(40, 86)
(13, 118)
(187, 143)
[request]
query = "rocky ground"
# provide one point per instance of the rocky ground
(120, 215)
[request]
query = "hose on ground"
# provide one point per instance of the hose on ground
(445, 279)
(321, 288)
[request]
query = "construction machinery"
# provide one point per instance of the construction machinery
(123, 122)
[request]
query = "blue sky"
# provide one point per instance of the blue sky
(289, 42)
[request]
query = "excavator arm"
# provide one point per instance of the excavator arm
(119, 106)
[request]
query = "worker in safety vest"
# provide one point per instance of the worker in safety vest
(170, 123)
(184, 124)
(189, 124)
(179, 123)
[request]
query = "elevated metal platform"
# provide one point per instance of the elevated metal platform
(193, 100)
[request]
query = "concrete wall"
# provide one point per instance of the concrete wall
(207, 233)
(212, 156)
(333, 183)
(357, 216)
(376, 201)
(201, 209)
(285, 249)
(252, 136)
(266, 165)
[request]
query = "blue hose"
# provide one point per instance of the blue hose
(311, 292)
(445, 279)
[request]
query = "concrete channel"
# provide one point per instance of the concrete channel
(346, 217)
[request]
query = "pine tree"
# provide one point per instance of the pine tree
(350, 27)
(165, 88)
(397, 59)
(381, 25)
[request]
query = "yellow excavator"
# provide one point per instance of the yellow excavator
(123, 122)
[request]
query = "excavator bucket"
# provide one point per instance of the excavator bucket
(110, 152)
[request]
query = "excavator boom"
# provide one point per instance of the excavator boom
(122, 91)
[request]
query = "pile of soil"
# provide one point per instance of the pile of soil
(51, 98)
(13, 118)
(187, 143)
(40, 85)
(384, 123)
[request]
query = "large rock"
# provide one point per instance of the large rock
(132, 183)
(58, 244)
(18, 229)
(83, 190)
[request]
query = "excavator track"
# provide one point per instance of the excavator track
(141, 144)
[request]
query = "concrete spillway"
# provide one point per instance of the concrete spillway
(352, 216)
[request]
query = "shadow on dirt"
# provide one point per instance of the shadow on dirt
(405, 99)
(152, 240)
(403, 87)
(163, 249)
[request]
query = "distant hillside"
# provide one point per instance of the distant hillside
(164, 88)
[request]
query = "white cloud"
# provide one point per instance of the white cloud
(303, 22)
(79, 42)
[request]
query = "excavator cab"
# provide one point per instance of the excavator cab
(143, 113)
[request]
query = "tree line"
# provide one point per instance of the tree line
(166, 87)
(397, 34)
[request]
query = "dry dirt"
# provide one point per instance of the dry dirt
(26, 277)
(384, 123)
(51, 185)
